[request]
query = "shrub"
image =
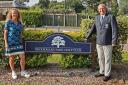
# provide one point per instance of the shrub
(123, 29)
(76, 36)
(75, 61)
(36, 34)
(85, 25)
(31, 17)
(1, 37)
(36, 59)
(1, 42)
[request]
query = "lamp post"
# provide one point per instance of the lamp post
(85, 4)
(64, 13)
(65, 5)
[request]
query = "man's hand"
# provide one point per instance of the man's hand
(113, 45)
(86, 40)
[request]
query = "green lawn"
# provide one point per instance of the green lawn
(125, 56)
(54, 58)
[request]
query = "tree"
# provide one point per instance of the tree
(92, 4)
(123, 7)
(56, 5)
(74, 4)
(114, 7)
(43, 3)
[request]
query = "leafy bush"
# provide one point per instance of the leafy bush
(85, 25)
(76, 36)
(86, 15)
(31, 17)
(36, 59)
(56, 6)
(36, 34)
(123, 29)
(1, 42)
(1, 38)
(75, 61)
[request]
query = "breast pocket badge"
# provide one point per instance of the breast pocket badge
(106, 26)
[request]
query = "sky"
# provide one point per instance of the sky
(32, 2)
(57, 0)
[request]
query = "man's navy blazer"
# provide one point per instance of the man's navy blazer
(106, 33)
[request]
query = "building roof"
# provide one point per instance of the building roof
(6, 4)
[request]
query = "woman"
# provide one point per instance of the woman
(13, 41)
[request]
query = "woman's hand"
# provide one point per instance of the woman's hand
(5, 38)
(6, 45)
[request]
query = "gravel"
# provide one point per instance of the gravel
(52, 74)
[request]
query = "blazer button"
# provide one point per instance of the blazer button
(100, 32)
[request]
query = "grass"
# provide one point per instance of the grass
(125, 56)
(54, 58)
(57, 57)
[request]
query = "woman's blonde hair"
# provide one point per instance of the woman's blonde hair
(9, 15)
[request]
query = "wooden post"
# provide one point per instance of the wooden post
(53, 21)
(64, 19)
(94, 55)
(76, 20)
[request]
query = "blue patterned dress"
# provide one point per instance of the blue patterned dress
(15, 45)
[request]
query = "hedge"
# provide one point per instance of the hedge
(36, 34)
(85, 26)
(31, 18)
(75, 61)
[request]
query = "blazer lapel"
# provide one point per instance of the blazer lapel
(99, 21)
(104, 20)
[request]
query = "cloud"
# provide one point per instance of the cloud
(32, 2)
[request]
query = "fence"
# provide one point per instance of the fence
(63, 19)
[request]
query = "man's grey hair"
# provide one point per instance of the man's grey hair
(103, 5)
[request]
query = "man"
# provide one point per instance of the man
(105, 26)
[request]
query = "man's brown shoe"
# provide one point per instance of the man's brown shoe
(106, 78)
(99, 75)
